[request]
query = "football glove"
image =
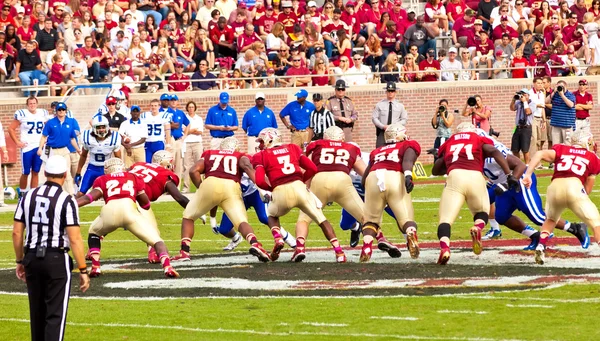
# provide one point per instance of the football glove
(513, 182)
(501, 188)
(408, 183)
(78, 180)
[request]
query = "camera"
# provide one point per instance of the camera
(560, 88)
(472, 101)
(494, 133)
(441, 110)
(518, 96)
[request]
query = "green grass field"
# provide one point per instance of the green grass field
(536, 312)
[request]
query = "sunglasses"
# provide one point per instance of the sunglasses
(203, 64)
(111, 104)
(554, 18)
(66, 109)
(340, 89)
(356, 58)
(343, 61)
(296, 60)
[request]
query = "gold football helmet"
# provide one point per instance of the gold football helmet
(333, 133)
(114, 165)
(466, 127)
(269, 138)
(395, 133)
(163, 158)
(582, 139)
(230, 143)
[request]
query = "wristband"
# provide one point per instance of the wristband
(84, 271)
(90, 197)
(147, 206)
(407, 173)
(19, 261)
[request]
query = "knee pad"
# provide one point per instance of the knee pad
(483, 216)
(443, 230)
(94, 241)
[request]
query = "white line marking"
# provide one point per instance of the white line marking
(462, 312)
(258, 332)
(530, 306)
(401, 318)
(321, 324)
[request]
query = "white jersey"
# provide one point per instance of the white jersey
(156, 129)
(123, 110)
(492, 169)
(100, 150)
(248, 187)
(32, 126)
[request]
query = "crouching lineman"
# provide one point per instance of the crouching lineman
(121, 190)
(385, 183)
(282, 164)
(575, 169)
(99, 142)
(504, 201)
(222, 171)
(462, 157)
(334, 160)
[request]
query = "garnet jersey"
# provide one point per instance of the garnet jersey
(281, 163)
(155, 178)
(119, 186)
(333, 156)
(222, 164)
(390, 156)
(571, 161)
(464, 151)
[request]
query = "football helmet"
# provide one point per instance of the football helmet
(100, 126)
(395, 133)
(333, 133)
(163, 158)
(114, 165)
(466, 127)
(230, 143)
(269, 138)
(482, 132)
(582, 139)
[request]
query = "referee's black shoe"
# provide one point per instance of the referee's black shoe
(355, 235)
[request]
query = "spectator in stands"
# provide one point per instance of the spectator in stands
(374, 53)
(138, 55)
(501, 65)
(123, 81)
(463, 27)
(519, 64)
(276, 41)
(331, 30)
(57, 75)
(456, 9)
(390, 72)
(162, 53)
(579, 41)
(29, 67)
(7, 58)
(450, 66)
(362, 73)
(204, 48)
(221, 121)
(25, 32)
(506, 46)
(484, 12)
(579, 9)
(505, 29)
(571, 63)
(79, 70)
(485, 53)
(247, 68)
(419, 36)
(522, 16)
(136, 15)
(467, 71)
(312, 39)
(120, 42)
(204, 14)
(429, 68)
(152, 82)
(543, 17)
(151, 28)
(123, 60)
(409, 72)
(436, 18)
(525, 43)
(320, 74)
(298, 75)
(222, 37)
(208, 78)
(246, 39)
(391, 39)
(287, 17)
(59, 50)
(183, 83)
(46, 39)
(186, 50)
(236, 80)
(480, 114)
(584, 102)
(261, 61)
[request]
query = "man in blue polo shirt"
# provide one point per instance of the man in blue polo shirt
(256, 119)
(73, 152)
(221, 121)
(58, 133)
(165, 101)
(299, 113)
(562, 122)
(178, 121)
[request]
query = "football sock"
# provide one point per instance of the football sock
(300, 242)
(251, 238)
(164, 259)
(445, 243)
(480, 225)
(494, 225)
(379, 235)
(213, 222)
(336, 245)
(544, 238)
(356, 227)
(571, 228)
(410, 229)
(185, 244)
(95, 255)
(528, 232)
(275, 232)
(284, 233)
(367, 239)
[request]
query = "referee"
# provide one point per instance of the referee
(320, 119)
(50, 217)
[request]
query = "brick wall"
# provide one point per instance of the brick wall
(420, 99)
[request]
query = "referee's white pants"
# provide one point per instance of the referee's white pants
(64, 152)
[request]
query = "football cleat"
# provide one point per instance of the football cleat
(235, 241)
(540, 254)
(258, 251)
(299, 255)
(366, 252)
(153, 257)
(279, 243)
(95, 272)
(340, 257)
(88, 255)
(181, 257)
(355, 235)
(412, 242)
(476, 237)
(492, 234)
(582, 234)
(391, 249)
(444, 256)
(534, 243)
(170, 272)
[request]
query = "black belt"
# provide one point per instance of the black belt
(177, 139)
(524, 126)
(58, 147)
(50, 249)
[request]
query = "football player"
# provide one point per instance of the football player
(282, 164)
(334, 159)
(575, 169)
(462, 157)
(159, 130)
(121, 190)
(504, 201)
(99, 143)
(385, 183)
(222, 171)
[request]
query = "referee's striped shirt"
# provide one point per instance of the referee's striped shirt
(46, 211)
(321, 120)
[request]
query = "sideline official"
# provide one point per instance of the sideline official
(299, 118)
(320, 119)
(343, 109)
(388, 111)
(256, 119)
(50, 218)
(221, 121)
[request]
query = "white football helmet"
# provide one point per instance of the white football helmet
(230, 143)
(269, 138)
(114, 165)
(582, 139)
(466, 127)
(163, 158)
(395, 133)
(100, 126)
(333, 133)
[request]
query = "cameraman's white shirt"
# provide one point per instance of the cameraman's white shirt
(536, 98)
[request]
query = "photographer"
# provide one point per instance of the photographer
(442, 122)
(521, 139)
(480, 113)
(562, 122)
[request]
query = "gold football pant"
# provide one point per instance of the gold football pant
(463, 185)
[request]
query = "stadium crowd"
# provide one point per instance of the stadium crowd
(226, 44)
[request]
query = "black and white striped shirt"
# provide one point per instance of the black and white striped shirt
(46, 211)
(321, 120)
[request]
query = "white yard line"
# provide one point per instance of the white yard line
(530, 306)
(322, 324)
(462, 312)
(259, 332)
(399, 318)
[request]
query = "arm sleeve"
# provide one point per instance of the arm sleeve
(309, 168)
(260, 178)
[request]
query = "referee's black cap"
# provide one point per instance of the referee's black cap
(317, 97)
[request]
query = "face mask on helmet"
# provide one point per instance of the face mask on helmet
(101, 130)
(163, 158)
